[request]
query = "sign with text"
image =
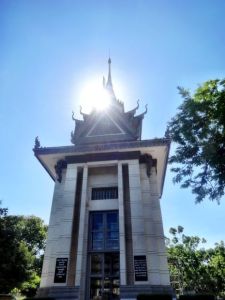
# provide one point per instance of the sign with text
(60, 270)
(140, 268)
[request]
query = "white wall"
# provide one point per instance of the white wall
(60, 225)
(153, 226)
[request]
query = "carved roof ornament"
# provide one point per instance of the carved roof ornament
(150, 163)
(132, 112)
(145, 112)
(37, 143)
(146, 109)
(85, 116)
(92, 129)
(61, 164)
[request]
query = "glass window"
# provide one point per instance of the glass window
(112, 221)
(104, 231)
(97, 221)
(104, 193)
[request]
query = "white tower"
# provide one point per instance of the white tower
(105, 236)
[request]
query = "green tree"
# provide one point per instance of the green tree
(216, 267)
(198, 130)
(186, 261)
(22, 241)
(193, 267)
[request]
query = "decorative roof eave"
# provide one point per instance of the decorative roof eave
(102, 147)
(50, 156)
(43, 165)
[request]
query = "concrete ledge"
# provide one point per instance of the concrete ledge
(59, 293)
(131, 292)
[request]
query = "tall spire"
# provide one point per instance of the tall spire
(109, 82)
(109, 85)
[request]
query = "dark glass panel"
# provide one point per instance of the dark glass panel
(97, 240)
(97, 222)
(115, 265)
(97, 245)
(97, 235)
(112, 235)
(108, 263)
(112, 221)
(96, 264)
(112, 245)
(112, 240)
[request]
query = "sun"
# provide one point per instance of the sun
(93, 95)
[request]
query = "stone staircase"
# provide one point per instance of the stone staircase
(59, 293)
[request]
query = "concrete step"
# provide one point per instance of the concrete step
(63, 293)
(59, 293)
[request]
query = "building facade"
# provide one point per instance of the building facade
(105, 236)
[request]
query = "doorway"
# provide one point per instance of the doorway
(103, 257)
(104, 276)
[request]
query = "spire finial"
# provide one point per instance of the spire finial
(109, 82)
(109, 85)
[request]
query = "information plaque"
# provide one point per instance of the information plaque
(60, 270)
(140, 268)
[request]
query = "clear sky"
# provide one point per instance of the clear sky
(50, 49)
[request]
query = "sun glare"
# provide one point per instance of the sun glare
(93, 95)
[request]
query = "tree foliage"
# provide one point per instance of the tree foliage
(194, 268)
(198, 129)
(22, 241)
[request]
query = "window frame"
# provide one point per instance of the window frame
(105, 231)
(104, 193)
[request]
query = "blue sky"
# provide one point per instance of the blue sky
(50, 49)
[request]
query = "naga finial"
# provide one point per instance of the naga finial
(146, 109)
(73, 116)
(37, 143)
(81, 110)
(137, 104)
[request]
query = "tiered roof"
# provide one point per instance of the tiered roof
(110, 125)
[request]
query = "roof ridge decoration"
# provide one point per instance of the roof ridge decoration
(131, 125)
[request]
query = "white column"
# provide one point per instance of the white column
(47, 270)
(137, 220)
(81, 236)
(156, 251)
(121, 227)
(159, 239)
(60, 225)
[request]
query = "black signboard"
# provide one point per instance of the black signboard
(140, 268)
(60, 270)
